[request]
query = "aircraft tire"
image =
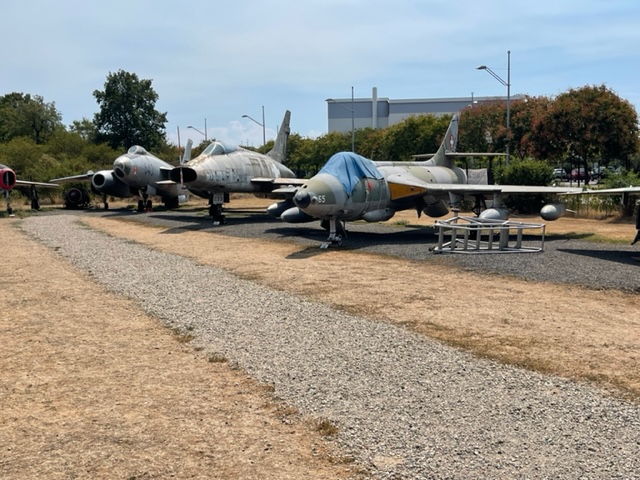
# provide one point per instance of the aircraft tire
(140, 206)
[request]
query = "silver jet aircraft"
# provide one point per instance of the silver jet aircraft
(222, 169)
(350, 187)
(136, 173)
(9, 179)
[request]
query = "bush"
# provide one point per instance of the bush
(525, 172)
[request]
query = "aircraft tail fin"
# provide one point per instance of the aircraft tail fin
(279, 150)
(449, 145)
(187, 152)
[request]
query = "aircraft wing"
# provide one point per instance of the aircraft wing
(459, 155)
(403, 186)
(85, 177)
(37, 184)
(609, 191)
(279, 181)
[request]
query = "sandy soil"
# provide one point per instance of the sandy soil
(85, 398)
(92, 387)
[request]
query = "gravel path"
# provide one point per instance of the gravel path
(408, 406)
(564, 260)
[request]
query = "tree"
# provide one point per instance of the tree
(127, 113)
(86, 129)
(589, 123)
(26, 116)
(415, 135)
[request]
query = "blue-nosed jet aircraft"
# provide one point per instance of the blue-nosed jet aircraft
(350, 187)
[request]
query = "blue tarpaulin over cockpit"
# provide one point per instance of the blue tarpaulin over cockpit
(350, 167)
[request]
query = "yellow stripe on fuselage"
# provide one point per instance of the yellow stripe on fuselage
(399, 190)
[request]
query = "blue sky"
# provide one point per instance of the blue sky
(218, 60)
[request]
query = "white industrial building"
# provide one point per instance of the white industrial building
(345, 114)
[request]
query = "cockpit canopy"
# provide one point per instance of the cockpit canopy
(137, 150)
(349, 168)
(219, 148)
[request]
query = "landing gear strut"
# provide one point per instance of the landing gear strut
(144, 204)
(7, 197)
(215, 210)
(335, 239)
(35, 201)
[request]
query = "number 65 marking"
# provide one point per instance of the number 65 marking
(322, 198)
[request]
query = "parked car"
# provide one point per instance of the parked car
(579, 174)
(598, 172)
(560, 174)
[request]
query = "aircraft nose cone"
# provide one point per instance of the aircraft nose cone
(122, 167)
(302, 199)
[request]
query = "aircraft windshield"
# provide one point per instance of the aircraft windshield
(219, 148)
(349, 167)
(137, 150)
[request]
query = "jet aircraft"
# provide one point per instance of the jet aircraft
(222, 169)
(136, 173)
(8, 180)
(350, 187)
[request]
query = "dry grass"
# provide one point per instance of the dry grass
(92, 387)
(514, 321)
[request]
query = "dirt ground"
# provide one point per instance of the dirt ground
(86, 399)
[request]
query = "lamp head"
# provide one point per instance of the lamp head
(482, 67)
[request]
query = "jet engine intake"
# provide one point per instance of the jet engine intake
(553, 211)
(106, 183)
(77, 197)
(183, 174)
(7, 178)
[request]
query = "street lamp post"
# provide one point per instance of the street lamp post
(508, 85)
(264, 135)
(353, 123)
(199, 131)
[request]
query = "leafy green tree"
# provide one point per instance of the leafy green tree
(23, 155)
(86, 129)
(23, 115)
(127, 113)
(589, 123)
(415, 135)
(483, 128)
